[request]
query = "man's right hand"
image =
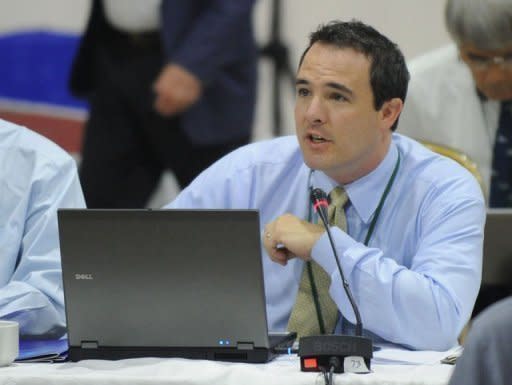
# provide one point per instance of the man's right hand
(289, 237)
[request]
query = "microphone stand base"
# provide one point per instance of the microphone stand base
(319, 353)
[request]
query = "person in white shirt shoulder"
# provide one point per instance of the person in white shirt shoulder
(36, 179)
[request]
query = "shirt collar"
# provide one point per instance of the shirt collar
(366, 192)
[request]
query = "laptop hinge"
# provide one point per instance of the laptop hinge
(89, 344)
(245, 345)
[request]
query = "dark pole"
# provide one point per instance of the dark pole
(277, 51)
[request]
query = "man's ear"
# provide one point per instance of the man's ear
(389, 112)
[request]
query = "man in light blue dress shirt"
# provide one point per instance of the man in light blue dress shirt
(36, 178)
(415, 276)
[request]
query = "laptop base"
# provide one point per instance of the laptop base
(255, 355)
(278, 341)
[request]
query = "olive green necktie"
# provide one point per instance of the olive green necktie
(303, 318)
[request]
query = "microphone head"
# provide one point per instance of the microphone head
(318, 195)
(318, 199)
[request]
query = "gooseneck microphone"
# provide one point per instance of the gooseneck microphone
(335, 353)
(319, 201)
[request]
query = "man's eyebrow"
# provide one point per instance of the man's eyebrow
(340, 87)
(301, 81)
(337, 86)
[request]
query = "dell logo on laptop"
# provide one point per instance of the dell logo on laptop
(84, 276)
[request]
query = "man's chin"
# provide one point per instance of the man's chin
(314, 163)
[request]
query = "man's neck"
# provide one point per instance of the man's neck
(348, 176)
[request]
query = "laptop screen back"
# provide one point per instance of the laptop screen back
(497, 264)
(138, 278)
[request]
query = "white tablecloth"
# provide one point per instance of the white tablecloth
(281, 371)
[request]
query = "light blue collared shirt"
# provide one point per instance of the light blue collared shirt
(36, 178)
(417, 280)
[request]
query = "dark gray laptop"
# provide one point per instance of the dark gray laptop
(164, 283)
(497, 265)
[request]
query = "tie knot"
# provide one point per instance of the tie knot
(338, 197)
(336, 211)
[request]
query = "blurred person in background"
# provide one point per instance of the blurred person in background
(171, 86)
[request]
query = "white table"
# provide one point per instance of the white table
(281, 371)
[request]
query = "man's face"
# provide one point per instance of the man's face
(337, 126)
(492, 70)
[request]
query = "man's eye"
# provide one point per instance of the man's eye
(478, 59)
(338, 97)
(302, 92)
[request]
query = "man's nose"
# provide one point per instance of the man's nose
(315, 112)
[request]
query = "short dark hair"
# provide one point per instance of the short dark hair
(389, 76)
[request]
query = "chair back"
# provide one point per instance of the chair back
(458, 156)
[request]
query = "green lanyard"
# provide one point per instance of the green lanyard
(381, 202)
(366, 240)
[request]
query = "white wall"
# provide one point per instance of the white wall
(415, 25)
(62, 15)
